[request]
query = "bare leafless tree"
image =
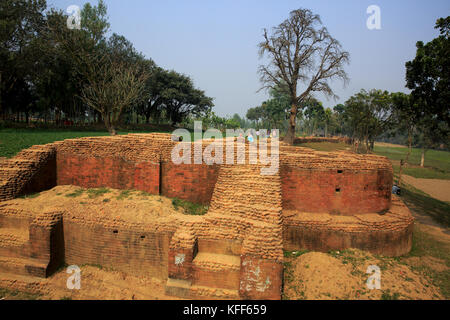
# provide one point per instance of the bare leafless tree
(304, 58)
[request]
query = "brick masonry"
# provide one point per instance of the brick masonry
(317, 201)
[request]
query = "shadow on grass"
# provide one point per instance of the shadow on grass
(438, 210)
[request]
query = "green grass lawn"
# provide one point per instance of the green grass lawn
(437, 163)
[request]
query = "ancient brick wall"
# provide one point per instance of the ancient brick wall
(113, 172)
(31, 170)
(389, 234)
(335, 191)
(133, 162)
(334, 182)
(317, 201)
(128, 249)
(192, 182)
(30, 243)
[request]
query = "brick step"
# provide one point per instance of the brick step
(24, 266)
(216, 270)
(220, 246)
(207, 293)
(14, 242)
(184, 289)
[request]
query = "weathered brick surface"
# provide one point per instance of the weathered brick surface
(260, 278)
(192, 182)
(389, 234)
(113, 172)
(337, 191)
(31, 170)
(316, 201)
(117, 247)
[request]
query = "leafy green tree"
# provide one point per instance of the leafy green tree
(255, 114)
(428, 78)
(314, 114)
(368, 114)
(181, 99)
(20, 21)
(328, 119)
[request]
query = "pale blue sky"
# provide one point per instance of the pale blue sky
(215, 41)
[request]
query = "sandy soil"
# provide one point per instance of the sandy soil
(132, 206)
(317, 276)
(436, 188)
(106, 285)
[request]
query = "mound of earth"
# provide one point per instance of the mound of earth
(342, 275)
(132, 206)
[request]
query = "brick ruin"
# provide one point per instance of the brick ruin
(317, 201)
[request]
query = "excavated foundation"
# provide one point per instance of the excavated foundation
(316, 200)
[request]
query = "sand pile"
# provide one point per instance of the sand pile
(342, 275)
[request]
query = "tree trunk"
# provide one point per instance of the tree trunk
(409, 146)
(400, 173)
(422, 159)
(109, 126)
(290, 135)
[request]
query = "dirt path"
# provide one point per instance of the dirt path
(436, 188)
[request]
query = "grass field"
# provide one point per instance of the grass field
(437, 163)
(421, 202)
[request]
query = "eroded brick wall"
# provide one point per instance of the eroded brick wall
(126, 249)
(338, 191)
(31, 170)
(192, 182)
(113, 172)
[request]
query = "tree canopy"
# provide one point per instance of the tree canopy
(304, 58)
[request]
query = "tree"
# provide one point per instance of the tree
(405, 118)
(428, 77)
(368, 114)
(255, 114)
(155, 86)
(181, 99)
(339, 112)
(314, 114)
(112, 86)
(301, 51)
(20, 21)
(327, 118)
